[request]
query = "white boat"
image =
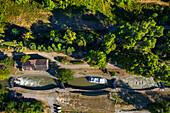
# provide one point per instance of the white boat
(98, 80)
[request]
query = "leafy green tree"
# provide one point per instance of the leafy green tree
(25, 58)
(136, 62)
(11, 43)
(69, 36)
(21, 1)
(28, 36)
(33, 46)
(20, 49)
(15, 105)
(50, 49)
(42, 48)
(159, 107)
(140, 36)
(59, 47)
(2, 32)
(70, 50)
(4, 73)
(55, 35)
(65, 75)
(54, 47)
(3, 95)
(15, 31)
(97, 59)
(108, 43)
(163, 74)
(81, 40)
(8, 61)
(48, 3)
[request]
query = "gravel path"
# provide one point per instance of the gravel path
(48, 99)
(51, 57)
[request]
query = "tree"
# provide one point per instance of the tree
(59, 47)
(25, 58)
(4, 73)
(48, 3)
(54, 47)
(20, 48)
(10, 43)
(108, 44)
(159, 107)
(33, 46)
(97, 59)
(8, 61)
(136, 62)
(65, 75)
(70, 50)
(163, 74)
(139, 36)
(55, 35)
(28, 36)
(50, 49)
(81, 40)
(2, 32)
(69, 36)
(21, 1)
(14, 105)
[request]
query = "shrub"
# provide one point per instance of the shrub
(77, 62)
(25, 58)
(33, 47)
(8, 61)
(112, 73)
(4, 73)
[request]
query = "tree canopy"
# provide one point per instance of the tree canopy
(4, 73)
(140, 36)
(97, 59)
(65, 75)
(25, 58)
(15, 105)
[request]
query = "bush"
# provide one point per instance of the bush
(159, 107)
(33, 46)
(8, 61)
(62, 59)
(77, 62)
(4, 73)
(25, 58)
(112, 73)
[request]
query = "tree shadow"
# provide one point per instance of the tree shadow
(132, 97)
(14, 32)
(74, 18)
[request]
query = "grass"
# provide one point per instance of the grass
(77, 62)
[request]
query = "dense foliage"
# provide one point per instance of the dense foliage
(15, 105)
(97, 59)
(159, 107)
(25, 58)
(8, 61)
(65, 75)
(140, 36)
(137, 44)
(4, 73)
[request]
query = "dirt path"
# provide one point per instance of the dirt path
(156, 2)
